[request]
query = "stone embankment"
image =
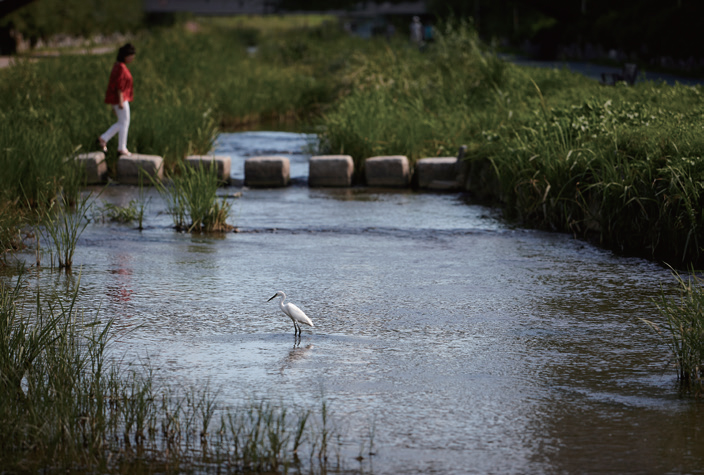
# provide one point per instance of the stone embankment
(431, 173)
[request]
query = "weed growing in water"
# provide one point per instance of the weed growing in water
(192, 201)
(117, 213)
(62, 225)
(684, 328)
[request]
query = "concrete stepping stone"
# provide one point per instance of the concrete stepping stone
(438, 173)
(269, 171)
(95, 167)
(222, 164)
(392, 170)
(330, 170)
(130, 167)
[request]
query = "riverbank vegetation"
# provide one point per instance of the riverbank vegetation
(619, 165)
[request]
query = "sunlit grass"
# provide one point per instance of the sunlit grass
(269, 23)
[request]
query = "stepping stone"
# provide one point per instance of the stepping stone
(330, 170)
(390, 170)
(270, 171)
(130, 168)
(95, 167)
(221, 163)
(439, 173)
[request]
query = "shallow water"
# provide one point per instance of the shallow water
(469, 346)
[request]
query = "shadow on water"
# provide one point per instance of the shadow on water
(475, 348)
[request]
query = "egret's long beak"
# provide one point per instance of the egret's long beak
(272, 298)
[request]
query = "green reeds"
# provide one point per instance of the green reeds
(62, 225)
(191, 199)
(684, 330)
(133, 211)
(117, 213)
(52, 372)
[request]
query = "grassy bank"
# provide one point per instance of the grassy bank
(618, 165)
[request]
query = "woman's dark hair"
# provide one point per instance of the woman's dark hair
(125, 51)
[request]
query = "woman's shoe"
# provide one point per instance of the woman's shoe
(102, 145)
(123, 153)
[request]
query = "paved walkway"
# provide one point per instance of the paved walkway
(6, 61)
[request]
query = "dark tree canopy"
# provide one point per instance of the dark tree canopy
(660, 27)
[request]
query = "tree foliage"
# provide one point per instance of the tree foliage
(648, 27)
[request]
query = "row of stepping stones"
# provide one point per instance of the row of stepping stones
(437, 173)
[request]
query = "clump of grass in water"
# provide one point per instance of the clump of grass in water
(684, 329)
(192, 200)
(134, 211)
(117, 213)
(63, 224)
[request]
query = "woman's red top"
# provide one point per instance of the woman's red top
(120, 80)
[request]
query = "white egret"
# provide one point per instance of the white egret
(294, 313)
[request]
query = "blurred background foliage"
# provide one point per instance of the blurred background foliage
(645, 30)
(42, 19)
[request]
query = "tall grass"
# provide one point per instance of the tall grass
(621, 165)
(62, 225)
(684, 330)
(53, 379)
(65, 405)
(191, 199)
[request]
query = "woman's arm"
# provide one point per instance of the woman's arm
(120, 99)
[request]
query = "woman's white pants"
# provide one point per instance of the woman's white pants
(120, 127)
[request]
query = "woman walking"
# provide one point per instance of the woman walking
(119, 95)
